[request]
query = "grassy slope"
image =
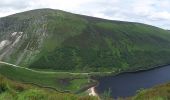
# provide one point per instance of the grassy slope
(58, 81)
(12, 90)
(161, 92)
(80, 43)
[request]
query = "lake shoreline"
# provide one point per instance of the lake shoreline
(123, 72)
(104, 74)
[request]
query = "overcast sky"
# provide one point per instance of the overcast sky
(153, 12)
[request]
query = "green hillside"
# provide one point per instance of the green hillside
(12, 90)
(59, 81)
(58, 40)
(160, 92)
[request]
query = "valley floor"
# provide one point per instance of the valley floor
(60, 81)
(12, 90)
(69, 82)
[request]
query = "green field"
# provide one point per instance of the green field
(59, 81)
(12, 90)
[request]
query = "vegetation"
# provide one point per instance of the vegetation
(161, 92)
(58, 81)
(106, 95)
(63, 41)
(12, 90)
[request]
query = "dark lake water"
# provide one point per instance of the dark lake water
(126, 84)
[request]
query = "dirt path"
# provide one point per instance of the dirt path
(48, 72)
(1, 62)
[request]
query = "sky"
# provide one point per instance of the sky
(153, 12)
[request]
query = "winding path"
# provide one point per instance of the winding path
(1, 62)
(48, 72)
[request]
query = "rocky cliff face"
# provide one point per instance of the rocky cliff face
(21, 38)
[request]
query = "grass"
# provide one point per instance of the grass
(59, 81)
(161, 92)
(12, 90)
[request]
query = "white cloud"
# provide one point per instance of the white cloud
(142, 7)
(160, 16)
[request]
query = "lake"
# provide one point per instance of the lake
(126, 84)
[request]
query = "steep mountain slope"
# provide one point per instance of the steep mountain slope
(53, 39)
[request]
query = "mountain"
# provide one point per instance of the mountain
(58, 40)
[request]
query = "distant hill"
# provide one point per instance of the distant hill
(58, 40)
